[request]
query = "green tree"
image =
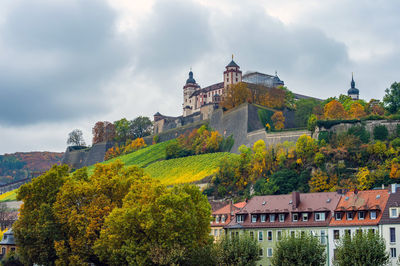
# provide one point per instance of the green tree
(306, 147)
(37, 229)
(238, 251)
(122, 129)
(380, 132)
(141, 127)
(155, 225)
(304, 109)
(391, 100)
(303, 250)
(82, 205)
(312, 123)
(367, 249)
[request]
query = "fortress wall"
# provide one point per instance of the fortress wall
(391, 125)
(75, 158)
(85, 157)
(274, 138)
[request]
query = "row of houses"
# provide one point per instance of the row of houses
(326, 215)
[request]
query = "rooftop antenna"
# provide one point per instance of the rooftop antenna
(276, 73)
(190, 68)
(232, 57)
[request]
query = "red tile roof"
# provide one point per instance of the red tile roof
(226, 210)
(366, 200)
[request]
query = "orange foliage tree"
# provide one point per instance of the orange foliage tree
(278, 120)
(356, 110)
(235, 95)
(103, 131)
(334, 110)
(134, 145)
(275, 98)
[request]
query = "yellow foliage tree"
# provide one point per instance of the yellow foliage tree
(275, 98)
(259, 159)
(395, 169)
(235, 95)
(364, 179)
(356, 110)
(334, 110)
(321, 182)
(278, 120)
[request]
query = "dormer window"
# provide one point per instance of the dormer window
(217, 219)
(393, 213)
(263, 218)
(338, 216)
(272, 218)
(240, 218)
(281, 217)
(223, 219)
(349, 215)
(319, 216)
(295, 217)
(305, 217)
(372, 215)
(361, 215)
(253, 218)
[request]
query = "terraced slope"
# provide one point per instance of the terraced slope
(9, 196)
(186, 169)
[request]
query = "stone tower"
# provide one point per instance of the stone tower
(190, 87)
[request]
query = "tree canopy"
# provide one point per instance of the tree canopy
(75, 137)
(391, 99)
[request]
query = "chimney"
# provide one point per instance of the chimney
(231, 207)
(394, 188)
(295, 199)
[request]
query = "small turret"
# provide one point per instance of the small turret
(353, 92)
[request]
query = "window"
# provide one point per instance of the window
(295, 217)
(223, 219)
(240, 218)
(220, 232)
(237, 234)
(215, 232)
(260, 236)
(336, 234)
(269, 252)
(281, 217)
(232, 234)
(305, 217)
(349, 215)
(269, 235)
(393, 213)
(251, 234)
(217, 219)
(292, 233)
(347, 232)
(361, 215)
(272, 218)
(335, 254)
(338, 216)
(278, 235)
(302, 233)
(372, 215)
(3, 251)
(263, 218)
(12, 249)
(371, 231)
(253, 218)
(261, 252)
(320, 216)
(358, 231)
(393, 252)
(392, 235)
(323, 237)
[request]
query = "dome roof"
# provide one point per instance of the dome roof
(190, 79)
(232, 64)
(353, 89)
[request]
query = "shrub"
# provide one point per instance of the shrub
(173, 150)
(265, 116)
(395, 143)
(330, 123)
(227, 144)
(380, 132)
(156, 139)
(324, 136)
(360, 132)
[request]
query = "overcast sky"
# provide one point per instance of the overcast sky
(65, 64)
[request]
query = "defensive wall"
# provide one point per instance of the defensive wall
(369, 125)
(78, 157)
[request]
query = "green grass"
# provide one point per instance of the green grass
(186, 169)
(9, 196)
(142, 157)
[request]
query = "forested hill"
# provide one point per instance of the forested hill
(20, 165)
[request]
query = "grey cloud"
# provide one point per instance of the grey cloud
(57, 56)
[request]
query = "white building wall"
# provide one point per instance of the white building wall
(385, 233)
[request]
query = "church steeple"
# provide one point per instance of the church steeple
(353, 84)
(353, 92)
(190, 79)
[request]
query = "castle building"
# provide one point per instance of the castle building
(195, 97)
(353, 92)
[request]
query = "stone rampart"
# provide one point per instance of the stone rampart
(274, 138)
(84, 157)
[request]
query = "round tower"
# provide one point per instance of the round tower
(190, 87)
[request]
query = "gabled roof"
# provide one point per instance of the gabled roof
(212, 87)
(227, 208)
(365, 200)
(232, 64)
(393, 201)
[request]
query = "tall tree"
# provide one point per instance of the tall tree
(362, 248)
(122, 129)
(275, 98)
(240, 251)
(236, 95)
(141, 127)
(278, 120)
(334, 110)
(391, 100)
(304, 109)
(103, 131)
(37, 228)
(304, 250)
(155, 225)
(356, 110)
(75, 137)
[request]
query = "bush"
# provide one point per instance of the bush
(324, 136)
(380, 132)
(360, 132)
(265, 116)
(398, 130)
(395, 143)
(330, 123)
(227, 144)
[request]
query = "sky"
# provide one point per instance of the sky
(66, 64)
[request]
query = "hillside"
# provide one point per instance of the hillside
(20, 165)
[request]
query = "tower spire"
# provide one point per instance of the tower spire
(232, 57)
(353, 84)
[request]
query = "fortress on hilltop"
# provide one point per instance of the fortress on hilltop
(199, 103)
